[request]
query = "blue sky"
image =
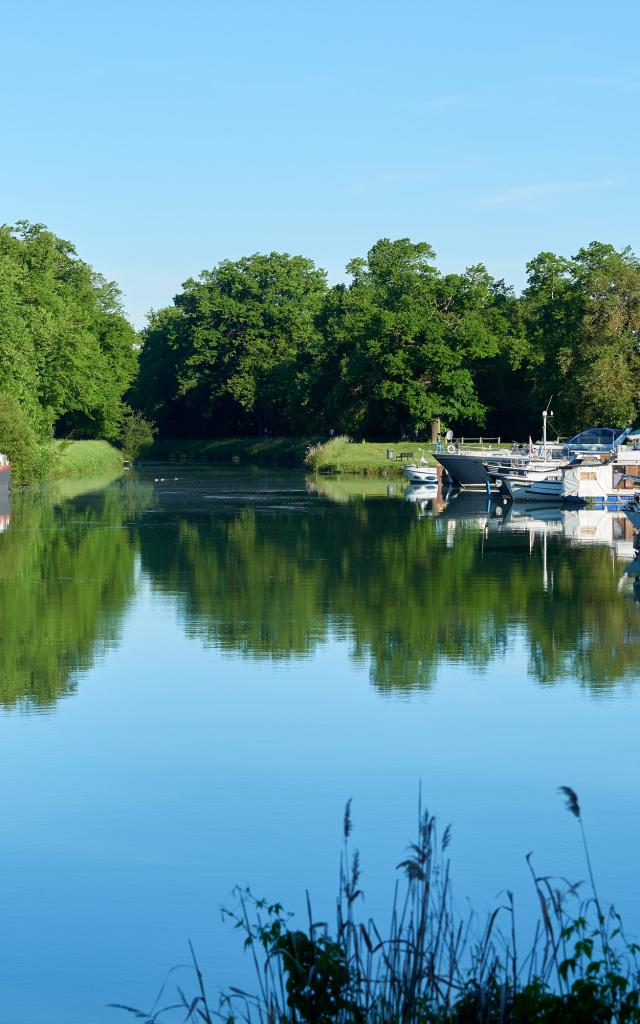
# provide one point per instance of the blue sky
(162, 137)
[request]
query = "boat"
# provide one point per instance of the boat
(465, 466)
(536, 485)
(422, 472)
(496, 475)
(5, 474)
(608, 482)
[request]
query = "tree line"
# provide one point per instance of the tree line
(264, 344)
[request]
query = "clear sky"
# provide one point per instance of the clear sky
(162, 137)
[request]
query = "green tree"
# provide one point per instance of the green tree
(29, 455)
(233, 349)
(136, 434)
(583, 323)
(67, 352)
(405, 342)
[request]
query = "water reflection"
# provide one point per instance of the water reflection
(272, 567)
(66, 577)
(409, 584)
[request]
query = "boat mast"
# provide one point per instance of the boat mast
(545, 413)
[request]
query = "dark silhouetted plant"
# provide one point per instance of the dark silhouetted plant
(431, 966)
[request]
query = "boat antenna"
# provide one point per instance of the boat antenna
(546, 413)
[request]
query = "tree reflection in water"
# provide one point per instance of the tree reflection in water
(274, 578)
(269, 568)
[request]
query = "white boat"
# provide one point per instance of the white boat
(536, 470)
(537, 485)
(5, 474)
(601, 484)
(465, 465)
(421, 474)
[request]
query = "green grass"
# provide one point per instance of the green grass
(367, 458)
(84, 459)
(338, 455)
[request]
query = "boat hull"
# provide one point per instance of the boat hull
(421, 474)
(464, 470)
(533, 490)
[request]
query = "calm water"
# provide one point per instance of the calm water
(195, 674)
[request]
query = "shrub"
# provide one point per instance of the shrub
(136, 434)
(30, 457)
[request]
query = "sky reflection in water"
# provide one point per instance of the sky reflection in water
(197, 673)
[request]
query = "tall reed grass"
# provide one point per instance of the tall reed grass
(430, 966)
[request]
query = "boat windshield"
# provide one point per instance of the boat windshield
(595, 438)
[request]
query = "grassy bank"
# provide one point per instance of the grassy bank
(339, 455)
(84, 459)
(367, 458)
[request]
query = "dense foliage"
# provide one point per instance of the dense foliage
(136, 434)
(263, 344)
(29, 455)
(67, 352)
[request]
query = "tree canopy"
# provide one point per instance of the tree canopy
(67, 352)
(263, 344)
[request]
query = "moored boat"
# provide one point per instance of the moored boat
(421, 474)
(5, 473)
(465, 465)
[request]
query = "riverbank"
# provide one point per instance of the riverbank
(84, 459)
(338, 455)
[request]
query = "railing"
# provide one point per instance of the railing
(477, 440)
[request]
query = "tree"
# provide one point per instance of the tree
(583, 320)
(233, 348)
(28, 454)
(136, 434)
(67, 352)
(406, 341)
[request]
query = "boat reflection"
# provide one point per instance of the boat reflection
(5, 511)
(505, 524)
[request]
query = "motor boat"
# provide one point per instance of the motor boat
(466, 465)
(422, 472)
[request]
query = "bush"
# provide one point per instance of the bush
(136, 434)
(30, 457)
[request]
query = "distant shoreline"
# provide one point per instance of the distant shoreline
(366, 458)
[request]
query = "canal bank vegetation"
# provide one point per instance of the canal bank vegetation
(430, 965)
(321, 455)
(263, 347)
(68, 354)
(83, 459)
(367, 458)
(259, 451)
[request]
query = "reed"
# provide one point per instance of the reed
(430, 966)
